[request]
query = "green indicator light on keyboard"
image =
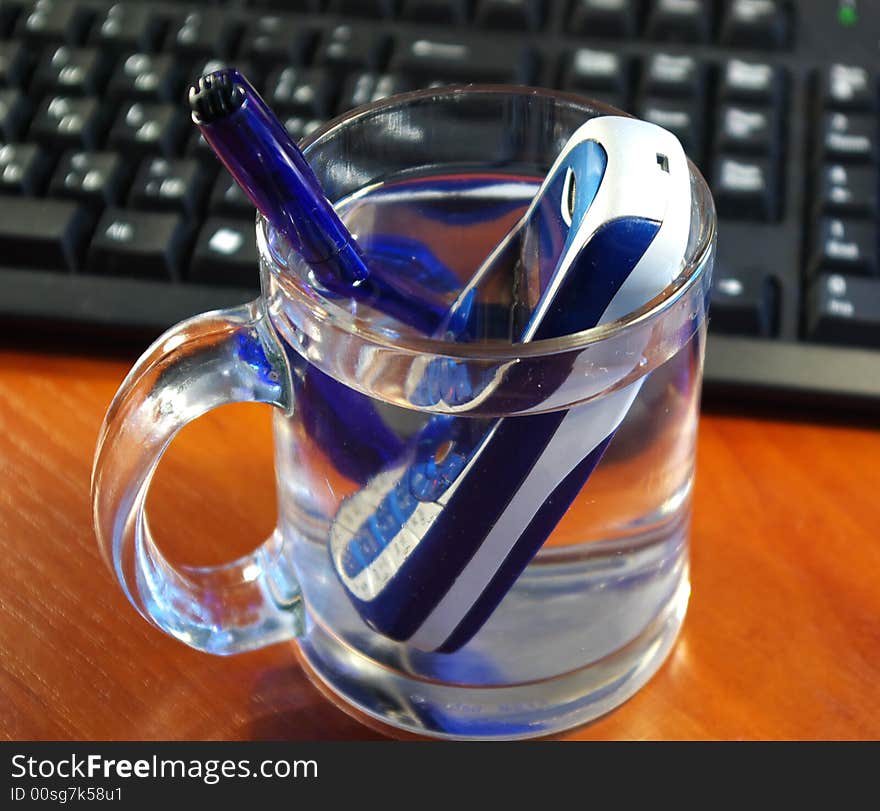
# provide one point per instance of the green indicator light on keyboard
(847, 16)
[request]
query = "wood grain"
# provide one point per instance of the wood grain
(782, 639)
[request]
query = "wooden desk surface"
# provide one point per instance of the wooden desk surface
(782, 639)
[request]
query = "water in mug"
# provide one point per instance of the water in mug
(616, 563)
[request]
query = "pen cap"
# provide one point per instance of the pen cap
(263, 159)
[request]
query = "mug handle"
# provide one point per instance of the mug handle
(228, 356)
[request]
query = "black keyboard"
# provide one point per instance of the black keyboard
(113, 214)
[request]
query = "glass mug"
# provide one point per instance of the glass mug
(596, 611)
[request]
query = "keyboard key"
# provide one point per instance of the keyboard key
(847, 87)
(53, 21)
(15, 112)
(519, 15)
(748, 129)
(71, 72)
(681, 117)
(202, 34)
(307, 92)
(147, 77)
(672, 75)
(49, 234)
(757, 82)
(462, 59)
(97, 178)
(126, 27)
(226, 253)
(299, 127)
(197, 147)
(304, 6)
(9, 11)
(228, 199)
(270, 41)
(844, 310)
(436, 11)
(139, 243)
(846, 246)
(65, 122)
(142, 128)
(604, 18)
(170, 185)
(743, 302)
(755, 24)
(363, 88)
(346, 48)
(849, 138)
(364, 8)
(24, 169)
(588, 70)
(745, 189)
(679, 20)
(848, 190)
(16, 63)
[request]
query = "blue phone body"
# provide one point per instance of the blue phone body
(407, 541)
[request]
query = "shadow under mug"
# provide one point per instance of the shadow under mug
(596, 611)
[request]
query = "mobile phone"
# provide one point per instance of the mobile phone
(429, 547)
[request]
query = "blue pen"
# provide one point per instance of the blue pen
(263, 159)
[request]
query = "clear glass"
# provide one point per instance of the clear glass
(596, 612)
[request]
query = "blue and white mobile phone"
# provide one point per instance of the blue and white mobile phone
(427, 549)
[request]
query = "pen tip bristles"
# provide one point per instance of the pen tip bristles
(214, 96)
